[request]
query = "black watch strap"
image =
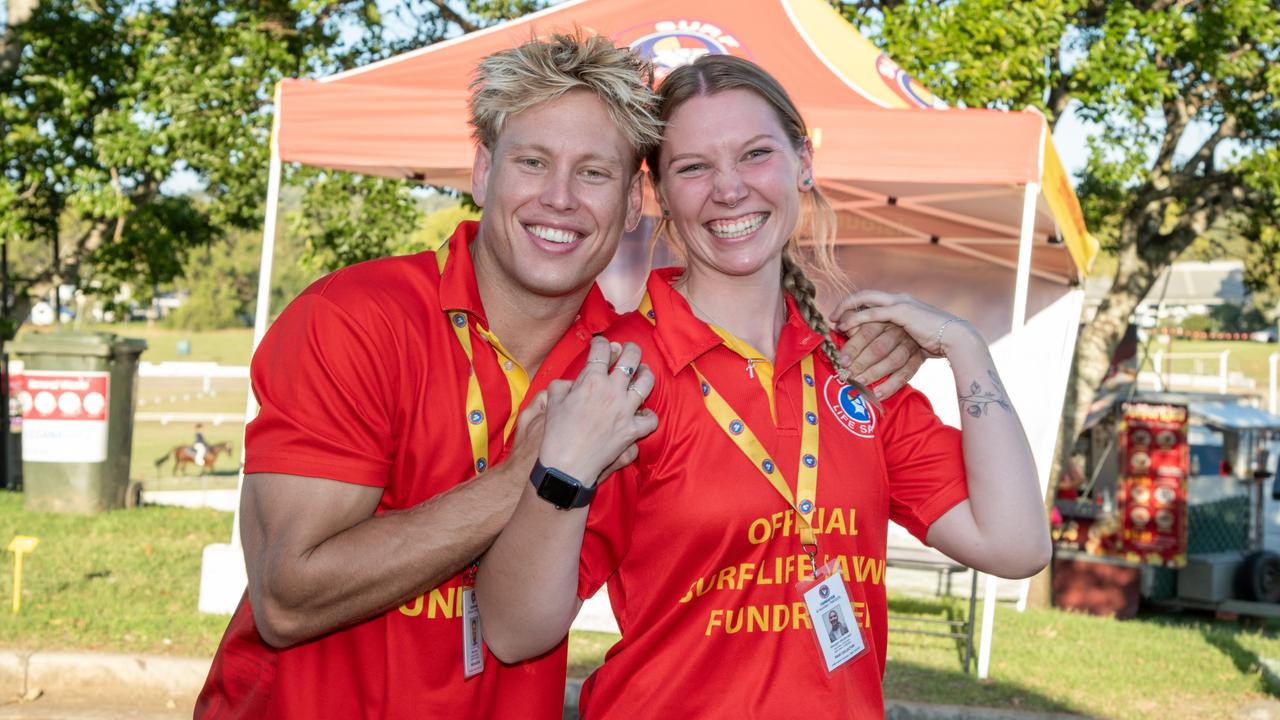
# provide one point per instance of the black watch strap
(560, 488)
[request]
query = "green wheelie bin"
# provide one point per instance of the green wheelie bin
(77, 393)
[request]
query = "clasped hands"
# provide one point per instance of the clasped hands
(589, 427)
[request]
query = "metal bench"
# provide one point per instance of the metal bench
(932, 561)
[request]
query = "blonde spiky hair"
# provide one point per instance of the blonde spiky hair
(510, 81)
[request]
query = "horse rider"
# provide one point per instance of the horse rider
(200, 446)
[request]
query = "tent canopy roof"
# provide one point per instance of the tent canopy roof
(898, 168)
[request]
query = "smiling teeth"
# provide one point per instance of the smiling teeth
(554, 235)
(729, 229)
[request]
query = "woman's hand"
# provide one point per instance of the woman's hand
(938, 333)
(593, 422)
(876, 351)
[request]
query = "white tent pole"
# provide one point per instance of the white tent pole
(222, 570)
(1272, 359)
(264, 305)
(1024, 256)
(1021, 286)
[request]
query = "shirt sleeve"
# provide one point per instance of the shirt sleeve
(608, 534)
(924, 459)
(607, 538)
(324, 389)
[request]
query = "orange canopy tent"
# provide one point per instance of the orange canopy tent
(955, 178)
(969, 209)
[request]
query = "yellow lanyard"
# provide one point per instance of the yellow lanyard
(802, 501)
(517, 380)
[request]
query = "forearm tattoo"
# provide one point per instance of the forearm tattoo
(979, 399)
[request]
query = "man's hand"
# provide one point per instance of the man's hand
(876, 350)
(318, 558)
(530, 426)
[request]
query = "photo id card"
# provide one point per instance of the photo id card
(472, 640)
(831, 614)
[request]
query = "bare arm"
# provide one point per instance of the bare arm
(528, 583)
(1001, 529)
(318, 559)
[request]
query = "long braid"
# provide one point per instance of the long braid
(802, 290)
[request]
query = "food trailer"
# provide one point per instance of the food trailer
(1176, 502)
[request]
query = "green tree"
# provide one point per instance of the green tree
(436, 227)
(349, 218)
(1186, 98)
(220, 281)
(217, 296)
(105, 103)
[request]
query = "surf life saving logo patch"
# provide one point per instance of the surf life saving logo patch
(669, 44)
(853, 411)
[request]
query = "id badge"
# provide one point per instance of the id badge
(835, 627)
(472, 640)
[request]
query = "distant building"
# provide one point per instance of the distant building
(1186, 289)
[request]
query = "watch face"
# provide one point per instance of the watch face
(558, 489)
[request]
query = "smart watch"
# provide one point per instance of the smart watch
(559, 488)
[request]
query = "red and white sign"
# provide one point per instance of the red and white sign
(1152, 493)
(64, 415)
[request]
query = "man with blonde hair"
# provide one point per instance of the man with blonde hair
(387, 455)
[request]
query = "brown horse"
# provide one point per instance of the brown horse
(184, 455)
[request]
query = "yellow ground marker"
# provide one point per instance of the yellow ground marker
(19, 546)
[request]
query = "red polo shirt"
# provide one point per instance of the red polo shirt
(362, 379)
(701, 553)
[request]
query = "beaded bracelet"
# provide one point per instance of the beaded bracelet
(938, 339)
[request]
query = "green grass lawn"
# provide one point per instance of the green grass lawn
(229, 347)
(121, 581)
(1055, 661)
(1177, 666)
(127, 581)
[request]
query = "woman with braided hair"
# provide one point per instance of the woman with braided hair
(757, 511)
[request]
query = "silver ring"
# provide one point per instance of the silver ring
(625, 370)
(602, 362)
(633, 387)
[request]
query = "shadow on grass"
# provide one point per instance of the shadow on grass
(914, 682)
(1245, 660)
(1222, 634)
(1189, 617)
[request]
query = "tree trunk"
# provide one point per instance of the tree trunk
(1136, 273)
(19, 12)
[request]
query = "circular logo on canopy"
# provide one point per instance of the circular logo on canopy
(669, 44)
(907, 87)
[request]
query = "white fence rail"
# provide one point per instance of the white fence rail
(164, 418)
(1162, 377)
(1164, 371)
(206, 371)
